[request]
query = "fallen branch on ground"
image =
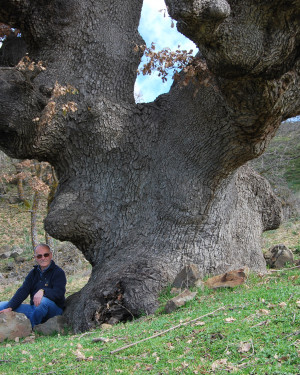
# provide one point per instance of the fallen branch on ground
(167, 330)
(284, 269)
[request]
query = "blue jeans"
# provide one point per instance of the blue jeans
(47, 309)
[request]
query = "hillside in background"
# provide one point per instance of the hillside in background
(280, 165)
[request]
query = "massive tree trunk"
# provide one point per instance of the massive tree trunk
(145, 189)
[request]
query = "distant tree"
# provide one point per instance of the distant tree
(145, 189)
(41, 179)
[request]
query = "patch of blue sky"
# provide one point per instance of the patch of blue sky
(155, 26)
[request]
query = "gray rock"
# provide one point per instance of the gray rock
(8, 252)
(187, 277)
(5, 255)
(56, 324)
(14, 325)
(199, 284)
(278, 256)
(9, 267)
(14, 199)
(179, 300)
(16, 251)
(112, 321)
(5, 249)
(174, 291)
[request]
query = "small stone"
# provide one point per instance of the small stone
(278, 256)
(112, 321)
(175, 291)
(106, 326)
(14, 325)
(56, 324)
(5, 249)
(9, 266)
(187, 277)
(16, 251)
(229, 279)
(179, 300)
(5, 255)
(199, 284)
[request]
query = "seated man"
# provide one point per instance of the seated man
(46, 285)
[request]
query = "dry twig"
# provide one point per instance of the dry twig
(284, 269)
(167, 330)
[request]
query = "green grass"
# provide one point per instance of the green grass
(292, 174)
(208, 346)
(288, 233)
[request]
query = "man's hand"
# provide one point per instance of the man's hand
(6, 310)
(38, 297)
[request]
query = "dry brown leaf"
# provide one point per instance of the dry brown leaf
(223, 364)
(79, 355)
(170, 345)
(283, 358)
(229, 320)
(199, 323)
(264, 312)
(219, 363)
(298, 304)
(282, 304)
(244, 347)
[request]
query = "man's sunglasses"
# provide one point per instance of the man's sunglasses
(40, 256)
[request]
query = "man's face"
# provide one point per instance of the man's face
(43, 256)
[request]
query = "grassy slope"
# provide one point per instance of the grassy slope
(256, 333)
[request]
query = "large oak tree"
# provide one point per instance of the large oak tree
(145, 189)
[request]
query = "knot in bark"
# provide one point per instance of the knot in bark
(217, 9)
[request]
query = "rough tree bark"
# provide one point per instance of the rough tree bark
(145, 189)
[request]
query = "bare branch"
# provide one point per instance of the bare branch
(166, 331)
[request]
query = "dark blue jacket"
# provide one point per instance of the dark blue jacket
(52, 280)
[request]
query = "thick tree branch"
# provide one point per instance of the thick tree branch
(12, 12)
(252, 38)
(253, 58)
(52, 31)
